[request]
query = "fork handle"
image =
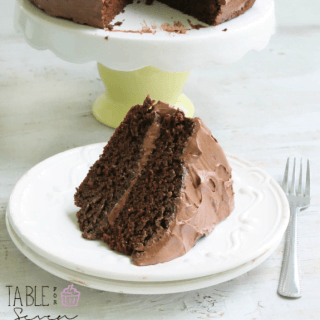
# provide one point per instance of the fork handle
(289, 284)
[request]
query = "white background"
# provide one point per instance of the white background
(263, 108)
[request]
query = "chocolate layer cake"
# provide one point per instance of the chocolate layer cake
(161, 183)
(99, 13)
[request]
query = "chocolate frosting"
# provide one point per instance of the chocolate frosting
(80, 11)
(230, 9)
(206, 197)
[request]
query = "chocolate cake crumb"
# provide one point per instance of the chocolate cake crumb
(177, 27)
(196, 26)
(109, 27)
(144, 29)
(225, 29)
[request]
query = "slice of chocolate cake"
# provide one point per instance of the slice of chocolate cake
(161, 183)
(100, 13)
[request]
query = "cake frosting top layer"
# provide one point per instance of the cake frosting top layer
(206, 197)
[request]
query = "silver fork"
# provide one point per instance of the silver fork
(289, 283)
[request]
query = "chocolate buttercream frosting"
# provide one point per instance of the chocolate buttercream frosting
(206, 197)
(80, 11)
(230, 9)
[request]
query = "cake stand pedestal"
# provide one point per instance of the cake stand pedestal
(133, 64)
(125, 89)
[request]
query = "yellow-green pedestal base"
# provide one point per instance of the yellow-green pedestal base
(126, 89)
(112, 114)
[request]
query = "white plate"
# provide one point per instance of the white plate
(130, 286)
(132, 51)
(43, 215)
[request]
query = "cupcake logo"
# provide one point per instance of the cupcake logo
(70, 296)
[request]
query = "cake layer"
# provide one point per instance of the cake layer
(110, 177)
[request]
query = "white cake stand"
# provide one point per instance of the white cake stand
(133, 65)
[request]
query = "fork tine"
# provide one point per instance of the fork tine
(307, 191)
(285, 178)
(300, 178)
(292, 189)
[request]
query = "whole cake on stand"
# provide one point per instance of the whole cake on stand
(99, 13)
(146, 49)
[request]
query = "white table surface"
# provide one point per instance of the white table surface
(263, 108)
